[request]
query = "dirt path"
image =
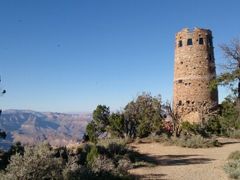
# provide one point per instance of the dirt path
(171, 162)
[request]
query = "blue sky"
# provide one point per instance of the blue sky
(70, 55)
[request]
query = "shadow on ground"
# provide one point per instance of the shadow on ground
(146, 160)
(150, 176)
(229, 142)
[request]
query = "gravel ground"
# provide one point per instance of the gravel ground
(172, 162)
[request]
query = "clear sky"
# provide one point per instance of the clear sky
(70, 55)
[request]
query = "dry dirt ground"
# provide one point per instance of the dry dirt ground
(171, 162)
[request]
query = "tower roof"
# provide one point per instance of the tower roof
(193, 31)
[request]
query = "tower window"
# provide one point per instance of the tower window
(180, 43)
(200, 41)
(179, 103)
(180, 81)
(189, 42)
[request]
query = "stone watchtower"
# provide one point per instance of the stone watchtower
(193, 70)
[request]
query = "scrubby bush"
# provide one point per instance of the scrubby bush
(123, 165)
(92, 155)
(195, 141)
(232, 167)
(234, 155)
(224, 123)
(116, 126)
(107, 141)
(143, 116)
(5, 155)
(102, 164)
(189, 128)
(116, 149)
(37, 163)
(112, 160)
(227, 122)
(140, 118)
(90, 161)
(91, 132)
(99, 123)
(235, 133)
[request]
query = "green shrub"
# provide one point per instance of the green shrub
(190, 128)
(233, 168)
(116, 126)
(90, 162)
(214, 126)
(106, 141)
(38, 162)
(91, 132)
(73, 170)
(116, 149)
(234, 155)
(195, 141)
(143, 116)
(234, 133)
(124, 165)
(92, 155)
(102, 164)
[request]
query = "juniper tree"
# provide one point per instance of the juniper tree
(231, 76)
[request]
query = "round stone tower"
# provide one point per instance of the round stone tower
(193, 70)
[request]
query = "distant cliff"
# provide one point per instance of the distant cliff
(30, 127)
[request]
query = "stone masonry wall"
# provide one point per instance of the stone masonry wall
(193, 70)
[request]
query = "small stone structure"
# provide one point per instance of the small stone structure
(193, 70)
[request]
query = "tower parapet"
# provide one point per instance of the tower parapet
(194, 69)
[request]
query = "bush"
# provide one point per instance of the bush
(188, 128)
(109, 159)
(90, 161)
(195, 141)
(116, 149)
(73, 170)
(124, 165)
(91, 132)
(92, 155)
(234, 133)
(214, 126)
(143, 116)
(233, 169)
(107, 141)
(105, 167)
(37, 163)
(234, 155)
(102, 164)
(116, 126)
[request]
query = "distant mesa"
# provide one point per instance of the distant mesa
(30, 127)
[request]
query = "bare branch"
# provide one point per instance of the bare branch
(232, 50)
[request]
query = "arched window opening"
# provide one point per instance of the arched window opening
(200, 41)
(180, 43)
